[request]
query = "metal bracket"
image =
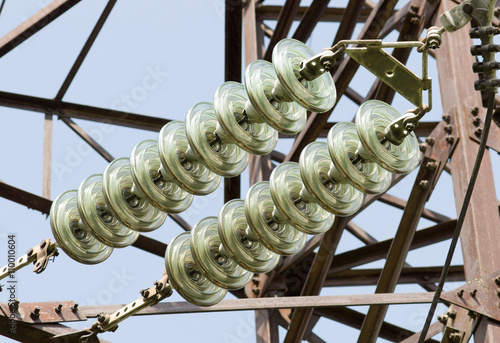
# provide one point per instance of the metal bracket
(109, 322)
(43, 312)
(39, 255)
(480, 295)
(475, 124)
(389, 70)
(459, 324)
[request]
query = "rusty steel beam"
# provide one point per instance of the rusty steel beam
(369, 277)
(266, 327)
(269, 303)
(481, 229)
(401, 245)
(401, 204)
(331, 14)
(315, 279)
(366, 238)
(67, 109)
(377, 251)
(87, 138)
(283, 26)
(342, 78)
(34, 24)
(86, 48)
(310, 19)
(232, 72)
(36, 333)
(354, 319)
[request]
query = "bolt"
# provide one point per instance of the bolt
(145, 293)
(424, 184)
(452, 314)
(472, 314)
(448, 129)
(423, 147)
(497, 280)
(158, 285)
(475, 111)
(449, 139)
(498, 292)
(460, 293)
(476, 121)
(432, 166)
(430, 141)
(446, 118)
(415, 8)
(415, 21)
(13, 306)
(35, 313)
(74, 308)
(58, 308)
(473, 293)
(101, 317)
(478, 132)
(256, 291)
(443, 318)
(455, 337)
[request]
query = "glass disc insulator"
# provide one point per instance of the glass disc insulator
(99, 218)
(185, 276)
(74, 238)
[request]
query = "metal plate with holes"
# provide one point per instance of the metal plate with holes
(480, 295)
(47, 313)
(390, 71)
(475, 125)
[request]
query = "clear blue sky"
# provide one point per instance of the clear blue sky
(181, 47)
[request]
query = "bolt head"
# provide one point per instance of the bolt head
(424, 184)
(476, 121)
(475, 111)
(449, 139)
(430, 140)
(446, 118)
(467, 8)
(478, 132)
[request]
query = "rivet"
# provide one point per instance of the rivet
(452, 314)
(475, 111)
(476, 121)
(449, 139)
(446, 118)
(448, 129)
(497, 280)
(430, 140)
(478, 132)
